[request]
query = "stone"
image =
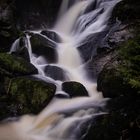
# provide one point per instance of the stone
(55, 73)
(25, 95)
(21, 50)
(74, 89)
(15, 66)
(43, 47)
(88, 48)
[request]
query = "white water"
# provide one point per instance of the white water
(63, 119)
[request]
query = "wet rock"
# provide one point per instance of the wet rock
(97, 63)
(51, 35)
(20, 49)
(56, 73)
(110, 81)
(74, 89)
(13, 65)
(42, 46)
(25, 95)
(123, 34)
(61, 95)
(88, 48)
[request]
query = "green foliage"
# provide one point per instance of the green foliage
(130, 54)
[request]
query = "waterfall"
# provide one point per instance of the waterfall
(70, 17)
(70, 118)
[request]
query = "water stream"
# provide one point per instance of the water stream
(65, 119)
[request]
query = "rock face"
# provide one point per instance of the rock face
(118, 83)
(42, 46)
(8, 30)
(74, 89)
(119, 79)
(38, 13)
(25, 95)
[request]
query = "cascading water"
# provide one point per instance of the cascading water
(65, 119)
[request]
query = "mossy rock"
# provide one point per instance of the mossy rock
(114, 126)
(110, 82)
(127, 10)
(25, 95)
(74, 89)
(15, 65)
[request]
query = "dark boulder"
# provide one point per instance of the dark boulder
(51, 35)
(42, 46)
(127, 11)
(56, 73)
(25, 95)
(15, 66)
(97, 63)
(110, 80)
(74, 89)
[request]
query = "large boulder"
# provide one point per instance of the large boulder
(15, 65)
(55, 73)
(74, 89)
(110, 80)
(25, 95)
(42, 46)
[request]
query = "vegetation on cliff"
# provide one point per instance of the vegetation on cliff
(119, 80)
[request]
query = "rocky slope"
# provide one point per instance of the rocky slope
(119, 78)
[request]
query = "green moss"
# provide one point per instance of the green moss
(74, 89)
(120, 80)
(31, 93)
(16, 65)
(24, 95)
(127, 10)
(130, 54)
